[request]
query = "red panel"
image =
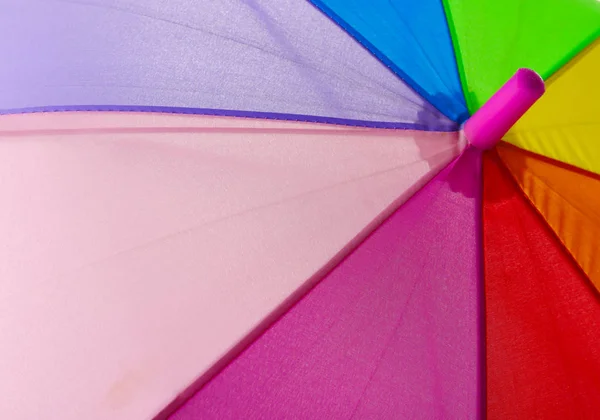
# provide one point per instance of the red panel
(543, 315)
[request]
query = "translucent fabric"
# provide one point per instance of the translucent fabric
(412, 38)
(394, 331)
(493, 39)
(542, 313)
(283, 220)
(272, 59)
(141, 250)
(568, 199)
(565, 124)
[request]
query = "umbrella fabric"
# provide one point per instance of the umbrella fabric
(404, 37)
(392, 332)
(567, 199)
(563, 125)
(222, 57)
(494, 39)
(542, 313)
(284, 219)
(113, 281)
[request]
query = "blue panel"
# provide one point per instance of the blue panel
(412, 38)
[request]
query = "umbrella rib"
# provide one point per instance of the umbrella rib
(387, 344)
(546, 127)
(532, 205)
(357, 71)
(549, 187)
(248, 211)
(410, 101)
(421, 49)
(242, 42)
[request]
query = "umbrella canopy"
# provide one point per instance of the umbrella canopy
(299, 209)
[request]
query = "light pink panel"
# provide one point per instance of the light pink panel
(139, 250)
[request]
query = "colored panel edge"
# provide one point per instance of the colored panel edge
(516, 33)
(394, 331)
(412, 39)
(568, 198)
(542, 314)
(565, 123)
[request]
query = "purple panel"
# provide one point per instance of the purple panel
(394, 331)
(279, 58)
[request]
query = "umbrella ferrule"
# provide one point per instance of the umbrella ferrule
(493, 120)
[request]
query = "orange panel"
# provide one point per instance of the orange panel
(567, 197)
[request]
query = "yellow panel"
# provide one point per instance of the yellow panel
(567, 197)
(565, 123)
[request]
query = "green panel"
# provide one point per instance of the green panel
(492, 39)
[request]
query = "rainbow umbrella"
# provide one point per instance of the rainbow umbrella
(289, 209)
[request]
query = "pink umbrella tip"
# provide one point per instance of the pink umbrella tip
(486, 127)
